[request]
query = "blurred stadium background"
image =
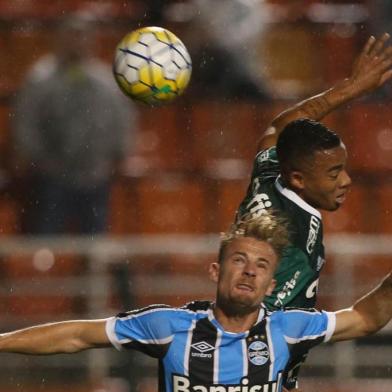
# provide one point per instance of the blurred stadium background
(182, 184)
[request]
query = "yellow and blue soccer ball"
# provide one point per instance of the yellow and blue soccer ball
(152, 65)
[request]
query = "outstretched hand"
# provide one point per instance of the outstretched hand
(373, 66)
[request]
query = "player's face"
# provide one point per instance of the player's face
(245, 275)
(325, 180)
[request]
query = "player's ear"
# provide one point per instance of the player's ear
(296, 180)
(271, 287)
(213, 271)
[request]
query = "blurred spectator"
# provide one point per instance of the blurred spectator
(73, 129)
(222, 39)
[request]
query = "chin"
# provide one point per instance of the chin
(244, 303)
(331, 207)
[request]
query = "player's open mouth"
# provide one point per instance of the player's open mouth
(244, 287)
(341, 198)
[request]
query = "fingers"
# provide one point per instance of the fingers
(384, 61)
(375, 47)
(378, 46)
(369, 45)
(386, 53)
(385, 77)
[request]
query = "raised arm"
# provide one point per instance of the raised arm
(56, 338)
(371, 70)
(368, 315)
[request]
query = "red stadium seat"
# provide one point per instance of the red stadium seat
(42, 265)
(225, 131)
(352, 216)
(384, 203)
(4, 127)
(163, 141)
(150, 277)
(171, 204)
(340, 53)
(228, 196)
(369, 137)
(9, 216)
(291, 56)
(39, 272)
(123, 213)
(25, 47)
(33, 305)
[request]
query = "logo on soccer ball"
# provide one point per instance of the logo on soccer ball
(258, 353)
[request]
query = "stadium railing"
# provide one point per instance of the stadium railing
(55, 278)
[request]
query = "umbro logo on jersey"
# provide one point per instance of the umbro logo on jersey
(202, 350)
(202, 347)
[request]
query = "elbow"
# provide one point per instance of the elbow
(74, 346)
(370, 327)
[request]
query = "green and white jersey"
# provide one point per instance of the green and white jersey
(298, 272)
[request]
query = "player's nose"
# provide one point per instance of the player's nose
(345, 180)
(249, 269)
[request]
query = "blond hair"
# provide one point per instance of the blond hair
(267, 227)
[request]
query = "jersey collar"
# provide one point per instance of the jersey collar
(215, 322)
(296, 199)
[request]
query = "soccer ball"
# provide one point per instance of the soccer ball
(152, 65)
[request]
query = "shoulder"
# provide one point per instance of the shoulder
(161, 311)
(197, 306)
(291, 311)
(99, 72)
(267, 155)
(293, 316)
(300, 324)
(265, 168)
(42, 69)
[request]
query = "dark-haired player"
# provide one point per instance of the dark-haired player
(301, 169)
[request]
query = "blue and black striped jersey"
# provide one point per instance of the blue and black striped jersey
(196, 354)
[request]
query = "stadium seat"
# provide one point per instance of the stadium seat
(122, 211)
(173, 280)
(171, 204)
(10, 221)
(290, 72)
(368, 272)
(24, 48)
(353, 215)
(35, 305)
(4, 127)
(384, 208)
(43, 264)
(39, 272)
(163, 138)
(225, 132)
(340, 50)
(369, 137)
(227, 197)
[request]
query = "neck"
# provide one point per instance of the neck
(235, 320)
